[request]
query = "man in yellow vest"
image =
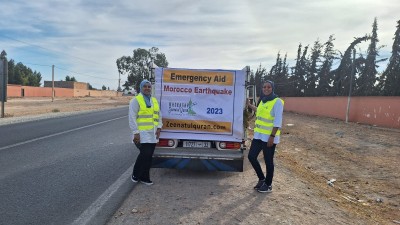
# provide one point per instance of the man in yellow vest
(269, 115)
(145, 123)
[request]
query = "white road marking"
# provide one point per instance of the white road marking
(56, 134)
(94, 208)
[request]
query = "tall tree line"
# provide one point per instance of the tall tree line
(20, 74)
(321, 70)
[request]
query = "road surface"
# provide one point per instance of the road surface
(65, 170)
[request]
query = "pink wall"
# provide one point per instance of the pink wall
(14, 90)
(63, 92)
(46, 92)
(382, 111)
(36, 91)
(29, 91)
(373, 110)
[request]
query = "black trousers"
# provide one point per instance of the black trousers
(268, 152)
(141, 169)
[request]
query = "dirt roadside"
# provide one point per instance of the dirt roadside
(17, 107)
(361, 161)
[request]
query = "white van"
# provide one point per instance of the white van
(202, 112)
(129, 92)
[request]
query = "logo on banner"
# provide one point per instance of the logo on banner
(182, 108)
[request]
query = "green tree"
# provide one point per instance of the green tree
(68, 78)
(137, 66)
(341, 75)
(281, 78)
(365, 83)
(25, 75)
(390, 79)
(34, 79)
(22, 75)
(324, 77)
(311, 76)
(258, 79)
(278, 74)
(103, 88)
(300, 71)
(11, 69)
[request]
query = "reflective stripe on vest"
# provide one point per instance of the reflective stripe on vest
(264, 121)
(147, 117)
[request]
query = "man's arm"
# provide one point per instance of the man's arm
(133, 112)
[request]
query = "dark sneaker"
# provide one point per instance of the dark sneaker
(134, 179)
(146, 182)
(259, 184)
(265, 188)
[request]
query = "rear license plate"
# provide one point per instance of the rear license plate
(196, 144)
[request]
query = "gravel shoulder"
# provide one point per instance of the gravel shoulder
(27, 109)
(360, 161)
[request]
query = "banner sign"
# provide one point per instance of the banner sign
(199, 104)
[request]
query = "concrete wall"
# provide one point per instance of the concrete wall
(95, 93)
(35, 91)
(373, 110)
(29, 91)
(62, 92)
(14, 90)
(67, 84)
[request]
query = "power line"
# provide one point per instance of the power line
(84, 74)
(72, 71)
(62, 53)
(38, 64)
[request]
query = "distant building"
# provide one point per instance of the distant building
(67, 84)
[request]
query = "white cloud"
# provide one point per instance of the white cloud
(88, 36)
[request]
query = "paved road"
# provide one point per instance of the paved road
(65, 170)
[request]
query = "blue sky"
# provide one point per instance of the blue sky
(84, 38)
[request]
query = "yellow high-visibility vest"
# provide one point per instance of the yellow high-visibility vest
(147, 118)
(264, 121)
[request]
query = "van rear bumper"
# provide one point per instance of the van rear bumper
(198, 159)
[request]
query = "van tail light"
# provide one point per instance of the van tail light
(226, 145)
(168, 143)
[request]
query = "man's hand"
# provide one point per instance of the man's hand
(136, 138)
(158, 133)
(270, 142)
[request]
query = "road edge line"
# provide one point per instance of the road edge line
(94, 210)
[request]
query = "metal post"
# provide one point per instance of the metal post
(52, 83)
(152, 76)
(3, 84)
(351, 85)
(119, 81)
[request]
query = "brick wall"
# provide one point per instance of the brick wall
(67, 84)
(373, 110)
(28, 91)
(14, 90)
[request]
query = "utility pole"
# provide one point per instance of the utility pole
(152, 76)
(351, 85)
(119, 81)
(3, 83)
(52, 83)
